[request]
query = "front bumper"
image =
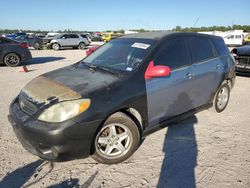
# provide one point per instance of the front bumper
(242, 64)
(243, 69)
(50, 140)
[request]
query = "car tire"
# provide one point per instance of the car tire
(12, 60)
(81, 46)
(116, 140)
(221, 98)
(55, 46)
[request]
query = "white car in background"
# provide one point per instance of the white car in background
(234, 39)
(69, 40)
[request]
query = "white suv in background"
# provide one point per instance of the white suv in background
(69, 40)
(234, 40)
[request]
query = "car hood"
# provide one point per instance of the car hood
(68, 83)
(244, 50)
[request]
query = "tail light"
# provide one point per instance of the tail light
(88, 52)
(23, 45)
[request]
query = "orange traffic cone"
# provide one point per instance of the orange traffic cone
(23, 69)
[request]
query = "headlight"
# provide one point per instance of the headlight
(64, 110)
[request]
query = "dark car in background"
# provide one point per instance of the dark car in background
(105, 104)
(96, 37)
(242, 58)
(32, 40)
(14, 35)
(12, 52)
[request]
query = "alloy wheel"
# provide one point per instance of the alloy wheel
(114, 140)
(222, 98)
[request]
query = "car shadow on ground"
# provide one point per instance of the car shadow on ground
(180, 148)
(74, 182)
(41, 60)
(20, 177)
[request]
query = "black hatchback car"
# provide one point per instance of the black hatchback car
(12, 52)
(103, 105)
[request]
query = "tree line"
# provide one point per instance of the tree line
(246, 28)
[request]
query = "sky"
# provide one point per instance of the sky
(97, 15)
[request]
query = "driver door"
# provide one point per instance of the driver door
(171, 95)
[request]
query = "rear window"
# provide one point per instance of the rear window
(221, 47)
(201, 49)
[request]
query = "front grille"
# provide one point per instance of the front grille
(243, 61)
(26, 105)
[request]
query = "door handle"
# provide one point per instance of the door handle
(189, 75)
(218, 66)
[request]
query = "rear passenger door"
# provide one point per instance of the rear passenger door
(74, 40)
(172, 95)
(207, 69)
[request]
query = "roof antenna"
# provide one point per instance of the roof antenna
(196, 22)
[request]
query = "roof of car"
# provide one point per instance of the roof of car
(158, 35)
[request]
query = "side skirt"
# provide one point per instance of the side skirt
(174, 120)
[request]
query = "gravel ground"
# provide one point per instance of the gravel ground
(206, 150)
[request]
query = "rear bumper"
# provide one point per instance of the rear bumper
(26, 55)
(49, 140)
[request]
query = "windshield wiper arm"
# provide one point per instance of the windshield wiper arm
(94, 67)
(108, 70)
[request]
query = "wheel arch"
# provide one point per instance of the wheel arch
(133, 113)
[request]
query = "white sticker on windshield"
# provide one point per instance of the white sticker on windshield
(140, 45)
(129, 69)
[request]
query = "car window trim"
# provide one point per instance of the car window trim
(189, 62)
(203, 60)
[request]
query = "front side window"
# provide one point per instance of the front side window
(120, 54)
(173, 54)
(201, 49)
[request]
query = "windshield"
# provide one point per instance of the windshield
(120, 54)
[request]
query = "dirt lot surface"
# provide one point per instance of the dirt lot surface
(207, 150)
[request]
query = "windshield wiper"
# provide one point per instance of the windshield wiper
(107, 70)
(93, 67)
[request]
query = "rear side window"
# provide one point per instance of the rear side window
(173, 54)
(74, 36)
(221, 47)
(201, 49)
(84, 36)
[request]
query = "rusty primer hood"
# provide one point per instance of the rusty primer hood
(42, 88)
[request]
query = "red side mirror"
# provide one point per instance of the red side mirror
(156, 71)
